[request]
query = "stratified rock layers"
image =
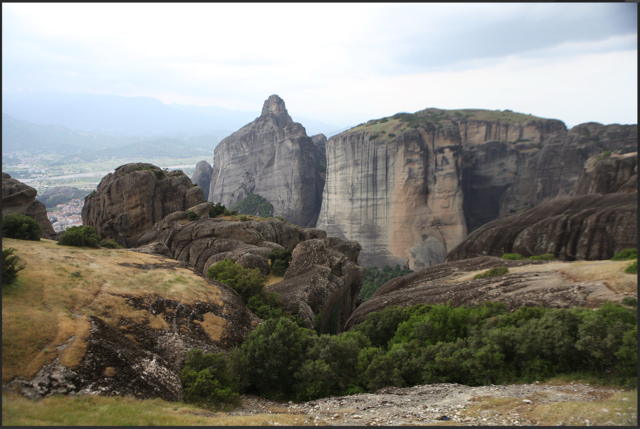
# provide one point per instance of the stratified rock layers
(399, 199)
(408, 188)
(274, 158)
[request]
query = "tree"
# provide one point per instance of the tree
(80, 236)
(10, 266)
(21, 227)
(247, 282)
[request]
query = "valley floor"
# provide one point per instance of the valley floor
(564, 403)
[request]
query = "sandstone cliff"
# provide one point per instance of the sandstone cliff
(20, 198)
(409, 187)
(202, 176)
(128, 202)
(588, 226)
(274, 158)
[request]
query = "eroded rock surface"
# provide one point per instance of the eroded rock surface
(530, 283)
(128, 202)
(20, 198)
(274, 158)
(202, 176)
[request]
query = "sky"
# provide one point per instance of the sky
(342, 64)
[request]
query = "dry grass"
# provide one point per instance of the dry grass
(89, 410)
(214, 326)
(608, 410)
(579, 271)
(44, 315)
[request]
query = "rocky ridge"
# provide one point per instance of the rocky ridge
(409, 187)
(20, 198)
(274, 158)
(128, 202)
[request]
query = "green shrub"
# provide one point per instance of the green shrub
(626, 255)
(512, 256)
(207, 379)
(80, 236)
(254, 205)
(603, 155)
(280, 260)
(493, 272)
(10, 266)
(21, 227)
(321, 167)
(374, 278)
(217, 210)
(230, 213)
(243, 218)
(632, 268)
(631, 302)
(280, 218)
(392, 135)
(247, 282)
(191, 216)
(110, 244)
(545, 257)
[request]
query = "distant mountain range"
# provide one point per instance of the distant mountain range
(117, 116)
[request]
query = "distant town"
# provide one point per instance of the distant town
(69, 215)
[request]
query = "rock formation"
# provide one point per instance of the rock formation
(320, 140)
(274, 158)
(202, 176)
(20, 198)
(128, 202)
(323, 275)
(410, 187)
(532, 283)
(323, 278)
(588, 226)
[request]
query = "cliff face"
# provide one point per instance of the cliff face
(20, 198)
(409, 187)
(274, 158)
(128, 202)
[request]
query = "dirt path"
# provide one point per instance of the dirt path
(511, 405)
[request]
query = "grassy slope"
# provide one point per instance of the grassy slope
(62, 285)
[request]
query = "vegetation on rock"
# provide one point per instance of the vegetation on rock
(632, 268)
(21, 227)
(626, 255)
(255, 205)
(374, 278)
(80, 236)
(280, 260)
(110, 244)
(191, 216)
(217, 210)
(518, 257)
(493, 272)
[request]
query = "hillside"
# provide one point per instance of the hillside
(70, 305)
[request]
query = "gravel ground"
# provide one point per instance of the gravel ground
(425, 405)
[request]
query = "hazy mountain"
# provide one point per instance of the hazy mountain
(119, 116)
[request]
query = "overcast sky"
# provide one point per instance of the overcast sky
(338, 63)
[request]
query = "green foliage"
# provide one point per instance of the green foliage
(80, 236)
(280, 260)
(110, 244)
(493, 272)
(632, 268)
(322, 168)
(273, 353)
(631, 302)
(255, 205)
(280, 218)
(380, 327)
(206, 379)
(10, 266)
(21, 227)
(392, 135)
(191, 216)
(545, 257)
(626, 255)
(266, 306)
(512, 256)
(375, 278)
(217, 210)
(603, 155)
(230, 212)
(247, 282)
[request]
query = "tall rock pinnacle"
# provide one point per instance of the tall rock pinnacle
(274, 105)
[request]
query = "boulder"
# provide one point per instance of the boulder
(20, 198)
(128, 202)
(202, 176)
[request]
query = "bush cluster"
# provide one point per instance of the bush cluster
(374, 278)
(472, 345)
(632, 268)
(80, 236)
(110, 244)
(518, 257)
(493, 272)
(10, 266)
(626, 255)
(280, 260)
(191, 215)
(21, 227)
(254, 205)
(217, 210)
